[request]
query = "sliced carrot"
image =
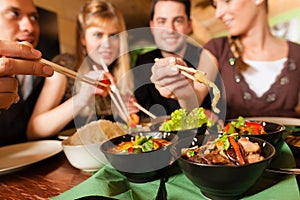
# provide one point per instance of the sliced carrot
(237, 150)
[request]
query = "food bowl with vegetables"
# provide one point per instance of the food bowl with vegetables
(271, 132)
(227, 167)
(141, 157)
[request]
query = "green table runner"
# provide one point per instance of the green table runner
(110, 183)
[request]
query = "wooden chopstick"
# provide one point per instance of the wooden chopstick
(72, 74)
(187, 69)
(117, 101)
(184, 70)
(188, 75)
(144, 110)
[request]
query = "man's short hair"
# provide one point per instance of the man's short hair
(186, 3)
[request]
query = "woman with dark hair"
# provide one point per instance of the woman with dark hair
(260, 72)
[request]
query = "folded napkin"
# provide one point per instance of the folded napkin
(108, 182)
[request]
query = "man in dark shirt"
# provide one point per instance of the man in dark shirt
(19, 23)
(170, 24)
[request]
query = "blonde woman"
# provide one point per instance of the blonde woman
(99, 38)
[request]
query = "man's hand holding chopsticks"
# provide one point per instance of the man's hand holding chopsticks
(15, 59)
(168, 80)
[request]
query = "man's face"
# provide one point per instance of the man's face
(19, 21)
(169, 26)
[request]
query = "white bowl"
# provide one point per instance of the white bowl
(87, 157)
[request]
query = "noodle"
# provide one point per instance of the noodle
(200, 77)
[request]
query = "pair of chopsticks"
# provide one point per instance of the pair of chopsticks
(115, 95)
(86, 79)
(184, 71)
(116, 91)
(72, 74)
(75, 75)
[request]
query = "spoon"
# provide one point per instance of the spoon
(284, 170)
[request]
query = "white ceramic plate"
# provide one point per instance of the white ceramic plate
(19, 155)
(279, 120)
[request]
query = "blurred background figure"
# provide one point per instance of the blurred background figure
(19, 23)
(101, 37)
(259, 71)
(170, 25)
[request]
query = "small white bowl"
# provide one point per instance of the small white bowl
(87, 157)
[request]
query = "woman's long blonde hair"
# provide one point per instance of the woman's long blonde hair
(236, 47)
(101, 13)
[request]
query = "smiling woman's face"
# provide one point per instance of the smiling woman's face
(237, 15)
(102, 42)
(19, 21)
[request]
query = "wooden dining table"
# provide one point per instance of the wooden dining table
(51, 177)
(41, 180)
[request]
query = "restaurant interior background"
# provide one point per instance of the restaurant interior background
(58, 21)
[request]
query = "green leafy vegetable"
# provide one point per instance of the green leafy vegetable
(182, 120)
(147, 146)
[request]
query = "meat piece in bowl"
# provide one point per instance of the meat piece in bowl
(227, 178)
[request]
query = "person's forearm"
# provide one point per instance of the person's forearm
(50, 123)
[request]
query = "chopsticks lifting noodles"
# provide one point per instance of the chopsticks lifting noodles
(200, 77)
(72, 74)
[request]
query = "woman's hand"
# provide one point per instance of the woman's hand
(87, 92)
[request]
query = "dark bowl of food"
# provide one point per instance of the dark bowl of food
(271, 132)
(141, 157)
(219, 172)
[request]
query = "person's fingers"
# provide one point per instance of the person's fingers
(10, 66)
(101, 92)
(18, 50)
(8, 84)
(109, 76)
(7, 99)
(8, 91)
(164, 91)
